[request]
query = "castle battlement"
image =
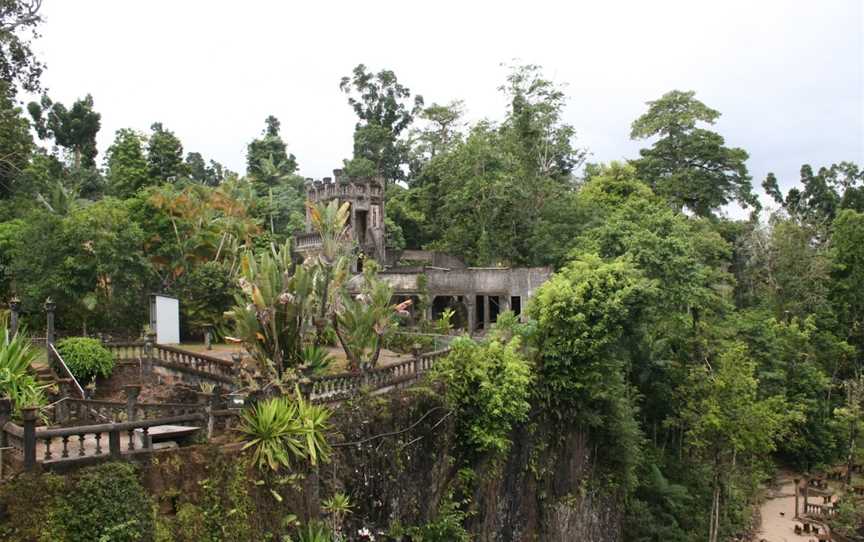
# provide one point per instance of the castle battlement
(366, 220)
(345, 188)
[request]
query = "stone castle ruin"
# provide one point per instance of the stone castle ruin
(477, 295)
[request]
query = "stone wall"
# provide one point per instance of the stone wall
(522, 281)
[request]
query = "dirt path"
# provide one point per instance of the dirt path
(778, 513)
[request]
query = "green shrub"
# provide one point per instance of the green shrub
(86, 358)
(448, 525)
(107, 503)
(25, 502)
(488, 387)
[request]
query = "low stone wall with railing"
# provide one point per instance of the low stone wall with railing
(86, 430)
(173, 363)
(86, 442)
(333, 388)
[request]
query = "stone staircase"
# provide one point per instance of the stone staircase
(43, 374)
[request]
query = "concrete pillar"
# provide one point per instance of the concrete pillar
(132, 392)
(797, 489)
(503, 303)
(49, 319)
(28, 416)
(471, 303)
(486, 315)
(149, 355)
(14, 308)
(5, 416)
(806, 492)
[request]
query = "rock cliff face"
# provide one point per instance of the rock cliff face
(543, 489)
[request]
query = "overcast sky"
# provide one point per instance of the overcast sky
(786, 75)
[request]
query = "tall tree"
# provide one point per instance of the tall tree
(16, 144)
(729, 424)
(690, 166)
(270, 146)
(824, 194)
(18, 64)
(164, 155)
(126, 166)
(385, 108)
(543, 141)
(847, 245)
(73, 129)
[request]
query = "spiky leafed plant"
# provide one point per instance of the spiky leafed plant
(314, 531)
(361, 321)
(315, 422)
(274, 432)
(16, 382)
(274, 308)
(333, 261)
(282, 430)
(316, 359)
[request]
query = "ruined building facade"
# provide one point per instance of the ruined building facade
(476, 295)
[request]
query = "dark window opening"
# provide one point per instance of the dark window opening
(361, 226)
(481, 312)
(516, 304)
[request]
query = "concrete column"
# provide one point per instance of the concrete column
(797, 489)
(5, 416)
(49, 319)
(806, 492)
(471, 303)
(132, 392)
(14, 308)
(28, 416)
(486, 316)
(503, 303)
(149, 355)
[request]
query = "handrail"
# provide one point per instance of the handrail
(212, 359)
(382, 369)
(118, 426)
(66, 370)
(336, 387)
(14, 429)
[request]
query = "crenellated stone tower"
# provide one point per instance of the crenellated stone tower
(366, 220)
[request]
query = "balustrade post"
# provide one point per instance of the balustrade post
(14, 308)
(149, 353)
(114, 442)
(49, 332)
(49, 320)
(237, 359)
(28, 416)
(132, 392)
(5, 416)
(212, 405)
(806, 492)
(797, 491)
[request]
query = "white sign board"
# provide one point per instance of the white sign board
(166, 319)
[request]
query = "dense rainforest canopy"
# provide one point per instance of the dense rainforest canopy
(696, 349)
